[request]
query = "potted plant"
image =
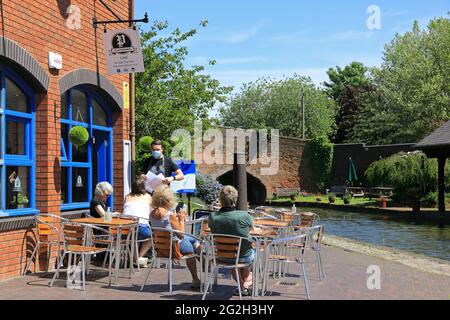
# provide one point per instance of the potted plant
(347, 199)
(293, 196)
(146, 144)
(78, 136)
(382, 202)
(332, 198)
(20, 200)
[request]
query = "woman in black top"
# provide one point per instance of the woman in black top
(98, 205)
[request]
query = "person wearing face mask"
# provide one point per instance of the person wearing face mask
(158, 163)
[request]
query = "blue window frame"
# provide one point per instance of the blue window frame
(83, 167)
(17, 146)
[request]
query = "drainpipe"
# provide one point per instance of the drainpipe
(132, 106)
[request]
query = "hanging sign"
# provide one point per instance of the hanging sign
(123, 51)
(187, 185)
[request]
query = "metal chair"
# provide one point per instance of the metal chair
(163, 240)
(47, 234)
(273, 255)
(224, 247)
(77, 241)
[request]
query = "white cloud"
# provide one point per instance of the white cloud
(238, 37)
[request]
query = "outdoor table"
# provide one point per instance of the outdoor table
(258, 236)
(119, 224)
(271, 223)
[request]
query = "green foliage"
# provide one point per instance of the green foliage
(270, 104)
(332, 198)
(20, 199)
(319, 152)
(78, 136)
(413, 92)
(347, 199)
(413, 175)
(345, 87)
(145, 143)
(170, 96)
(430, 200)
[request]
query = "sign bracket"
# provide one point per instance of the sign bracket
(96, 22)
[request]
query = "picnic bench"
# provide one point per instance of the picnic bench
(380, 192)
(286, 192)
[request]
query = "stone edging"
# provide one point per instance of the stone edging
(416, 261)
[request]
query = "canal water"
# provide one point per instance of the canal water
(423, 238)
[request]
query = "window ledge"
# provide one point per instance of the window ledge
(15, 223)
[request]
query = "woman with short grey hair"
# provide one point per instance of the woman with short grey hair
(98, 204)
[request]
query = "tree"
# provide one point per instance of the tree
(270, 104)
(413, 175)
(414, 87)
(345, 87)
(170, 96)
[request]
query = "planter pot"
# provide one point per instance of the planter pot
(332, 200)
(20, 206)
(382, 203)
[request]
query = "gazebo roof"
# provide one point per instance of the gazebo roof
(437, 143)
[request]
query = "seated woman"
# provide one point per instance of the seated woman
(137, 204)
(229, 221)
(98, 205)
(162, 216)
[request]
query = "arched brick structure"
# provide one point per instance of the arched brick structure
(97, 81)
(26, 65)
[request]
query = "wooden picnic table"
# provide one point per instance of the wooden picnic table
(118, 224)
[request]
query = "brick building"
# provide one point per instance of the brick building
(39, 105)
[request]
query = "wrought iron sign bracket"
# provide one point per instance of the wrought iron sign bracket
(96, 22)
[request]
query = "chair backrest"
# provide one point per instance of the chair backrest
(225, 247)
(316, 234)
(299, 239)
(48, 225)
(165, 244)
(125, 231)
(74, 234)
(307, 219)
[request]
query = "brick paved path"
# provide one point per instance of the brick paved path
(346, 278)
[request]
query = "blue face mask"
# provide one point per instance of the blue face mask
(156, 154)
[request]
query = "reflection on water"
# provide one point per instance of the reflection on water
(427, 239)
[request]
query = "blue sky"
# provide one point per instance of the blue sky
(251, 39)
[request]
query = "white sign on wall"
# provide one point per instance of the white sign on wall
(123, 51)
(55, 61)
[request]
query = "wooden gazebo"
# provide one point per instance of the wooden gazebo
(437, 145)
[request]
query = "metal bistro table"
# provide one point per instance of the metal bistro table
(282, 228)
(118, 224)
(259, 236)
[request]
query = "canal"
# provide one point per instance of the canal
(427, 239)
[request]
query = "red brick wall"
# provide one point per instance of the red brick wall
(40, 27)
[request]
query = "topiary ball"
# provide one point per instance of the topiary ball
(78, 136)
(146, 143)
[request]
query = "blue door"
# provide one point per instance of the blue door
(101, 165)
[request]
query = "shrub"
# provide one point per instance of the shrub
(207, 188)
(293, 195)
(347, 199)
(332, 198)
(320, 155)
(145, 143)
(430, 200)
(78, 136)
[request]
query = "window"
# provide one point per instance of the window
(17, 160)
(80, 165)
